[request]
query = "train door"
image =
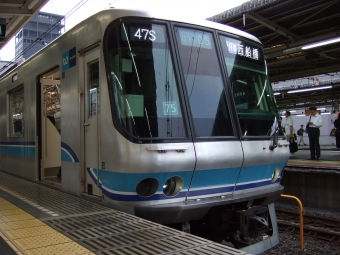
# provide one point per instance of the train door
(91, 123)
(49, 128)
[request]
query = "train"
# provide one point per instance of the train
(167, 118)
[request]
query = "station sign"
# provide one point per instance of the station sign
(307, 112)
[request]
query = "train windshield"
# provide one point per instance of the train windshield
(253, 95)
(204, 83)
(143, 83)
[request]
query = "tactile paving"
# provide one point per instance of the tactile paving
(37, 242)
(28, 232)
(31, 236)
(11, 212)
(21, 224)
(60, 249)
(17, 217)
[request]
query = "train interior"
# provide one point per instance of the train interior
(50, 135)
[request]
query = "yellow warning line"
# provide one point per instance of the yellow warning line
(28, 235)
(318, 162)
(17, 193)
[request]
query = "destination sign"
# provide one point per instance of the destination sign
(242, 50)
(195, 38)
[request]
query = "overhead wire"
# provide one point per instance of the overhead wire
(14, 61)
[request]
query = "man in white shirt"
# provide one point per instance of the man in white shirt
(315, 122)
(289, 126)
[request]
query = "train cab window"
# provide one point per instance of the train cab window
(253, 95)
(16, 112)
(143, 86)
(204, 83)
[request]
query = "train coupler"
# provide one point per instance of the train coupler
(254, 221)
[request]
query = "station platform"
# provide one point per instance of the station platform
(39, 220)
(314, 182)
(329, 160)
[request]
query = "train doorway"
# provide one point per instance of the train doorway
(92, 123)
(50, 128)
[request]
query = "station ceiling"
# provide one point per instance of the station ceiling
(284, 27)
(17, 13)
(327, 97)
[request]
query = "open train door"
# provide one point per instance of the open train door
(92, 123)
(49, 127)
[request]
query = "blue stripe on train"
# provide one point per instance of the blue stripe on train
(209, 182)
(259, 172)
(23, 149)
(127, 197)
(28, 149)
(67, 154)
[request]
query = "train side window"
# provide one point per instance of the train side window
(93, 88)
(16, 112)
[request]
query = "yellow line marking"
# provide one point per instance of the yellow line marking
(29, 201)
(316, 162)
(17, 193)
(29, 236)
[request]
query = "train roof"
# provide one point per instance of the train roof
(166, 15)
(108, 15)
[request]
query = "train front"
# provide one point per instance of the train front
(195, 118)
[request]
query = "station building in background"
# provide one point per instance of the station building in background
(42, 29)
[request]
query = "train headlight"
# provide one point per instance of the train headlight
(147, 187)
(276, 173)
(173, 186)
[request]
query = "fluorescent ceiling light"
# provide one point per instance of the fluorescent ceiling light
(309, 89)
(277, 93)
(300, 115)
(325, 113)
(318, 44)
(293, 111)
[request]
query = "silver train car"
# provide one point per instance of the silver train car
(168, 119)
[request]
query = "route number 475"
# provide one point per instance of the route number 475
(146, 34)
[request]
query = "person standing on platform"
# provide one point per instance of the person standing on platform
(289, 126)
(300, 134)
(337, 134)
(281, 127)
(314, 124)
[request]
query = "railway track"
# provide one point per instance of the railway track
(315, 226)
